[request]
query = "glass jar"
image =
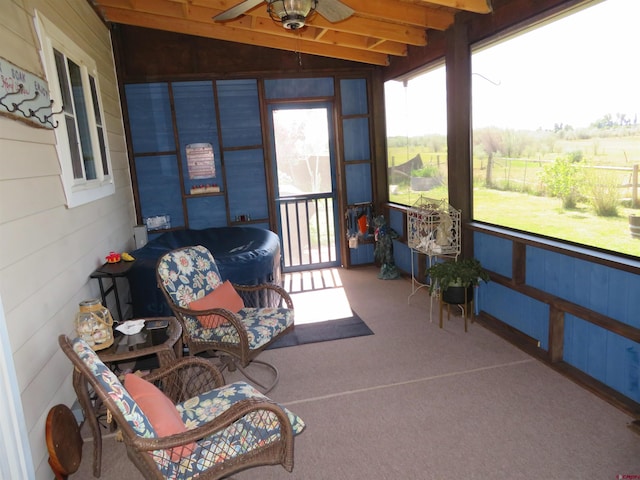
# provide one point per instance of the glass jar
(94, 324)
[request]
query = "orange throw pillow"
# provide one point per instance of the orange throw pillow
(159, 410)
(225, 296)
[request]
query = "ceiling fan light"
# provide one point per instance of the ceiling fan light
(292, 13)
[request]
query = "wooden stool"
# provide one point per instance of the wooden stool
(64, 442)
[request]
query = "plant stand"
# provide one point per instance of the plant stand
(465, 304)
(433, 228)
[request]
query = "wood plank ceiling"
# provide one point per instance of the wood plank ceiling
(377, 30)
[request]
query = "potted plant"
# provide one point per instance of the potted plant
(456, 279)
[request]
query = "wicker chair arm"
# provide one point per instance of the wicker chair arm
(230, 317)
(186, 378)
(236, 412)
(284, 295)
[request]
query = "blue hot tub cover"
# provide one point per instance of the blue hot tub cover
(244, 255)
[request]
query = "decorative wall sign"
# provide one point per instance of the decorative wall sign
(24, 96)
(200, 161)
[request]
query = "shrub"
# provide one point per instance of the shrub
(604, 193)
(428, 171)
(563, 179)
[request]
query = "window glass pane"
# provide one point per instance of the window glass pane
(98, 115)
(64, 82)
(75, 76)
(416, 137)
(76, 161)
(556, 136)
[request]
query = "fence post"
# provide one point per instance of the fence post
(634, 186)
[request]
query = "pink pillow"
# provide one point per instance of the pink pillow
(159, 410)
(224, 296)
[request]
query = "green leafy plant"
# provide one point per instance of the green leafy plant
(563, 179)
(604, 193)
(461, 273)
(428, 171)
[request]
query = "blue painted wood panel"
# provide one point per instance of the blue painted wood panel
(494, 253)
(160, 191)
(603, 355)
(519, 311)
(600, 288)
(207, 212)
(396, 221)
(356, 139)
(353, 93)
(361, 255)
(299, 88)
(358, 181)
(150, 117)
(196, 122)
(239, 113)
(402, 257)
(246, 183)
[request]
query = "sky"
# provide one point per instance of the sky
(548, 66)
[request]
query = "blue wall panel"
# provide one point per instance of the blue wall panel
(361, 255)
(600, 288)
(601, 354)
(239, 113)
(196, 121)
(402, 256)
(396, 221)
(160, 192)
(299, 88)
(605, 356)
(207, 212)
(358, 183)
(150, 117)
(521, 312)
(354, 96)
(494, 253)
(356, 139)
(246, 183)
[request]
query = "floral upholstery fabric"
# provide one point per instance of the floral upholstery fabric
(253, 430)
(191, 273)
(109, 381)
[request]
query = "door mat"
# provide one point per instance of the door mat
(323, 332)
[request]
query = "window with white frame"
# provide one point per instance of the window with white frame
(80, 134)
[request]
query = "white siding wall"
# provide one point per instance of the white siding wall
(47, 251)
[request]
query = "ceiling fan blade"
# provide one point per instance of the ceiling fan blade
(236, 11)
(334, 10)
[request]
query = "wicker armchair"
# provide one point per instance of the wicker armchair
(229, 427)
(188, 274)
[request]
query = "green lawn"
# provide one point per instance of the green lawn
(545, 216)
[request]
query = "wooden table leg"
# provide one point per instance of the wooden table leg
(82, 392)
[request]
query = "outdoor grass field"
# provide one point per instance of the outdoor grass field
(517, 200)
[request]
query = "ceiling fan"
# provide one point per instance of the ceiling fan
(292, 13)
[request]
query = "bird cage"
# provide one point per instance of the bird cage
(433, 227)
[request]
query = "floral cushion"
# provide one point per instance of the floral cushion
(262, 325)
(253, 430)
(129, 408)
(188, 274)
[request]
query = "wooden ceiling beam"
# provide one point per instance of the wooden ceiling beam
(322, 35)
(406, 13)
(475, 6)
(358, 26)
(230, 34)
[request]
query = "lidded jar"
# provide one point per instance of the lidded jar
(94, 324)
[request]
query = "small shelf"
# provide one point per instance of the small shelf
(203, 194)
(248, 222)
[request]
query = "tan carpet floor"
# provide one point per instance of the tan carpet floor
(415, 401)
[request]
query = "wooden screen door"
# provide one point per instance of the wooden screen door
(305, 182)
